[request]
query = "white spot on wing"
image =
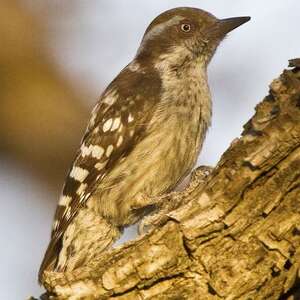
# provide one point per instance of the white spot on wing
(109, 150)
(79, 174)
(116, 124)
(81, 189)
(99, 166)
(107, 125)
(64, 200)
(120, 141)
(110, 98)
(97, 151)
(85, 151)
(94, 150)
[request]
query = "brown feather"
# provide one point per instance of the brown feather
(130, 90)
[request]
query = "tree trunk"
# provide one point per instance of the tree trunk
(235, 236)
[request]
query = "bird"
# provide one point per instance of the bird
(143, 137)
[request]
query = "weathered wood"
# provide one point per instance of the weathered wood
(237, 236)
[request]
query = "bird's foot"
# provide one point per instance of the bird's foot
(166, 203)
(156, 219)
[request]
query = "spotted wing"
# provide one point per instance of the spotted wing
(118, 122)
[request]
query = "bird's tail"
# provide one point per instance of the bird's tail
(50, 258)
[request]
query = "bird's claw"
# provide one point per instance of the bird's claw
(151, 222)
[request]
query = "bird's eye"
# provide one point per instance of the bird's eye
(186, 27)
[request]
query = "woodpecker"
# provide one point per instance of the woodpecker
(143, 138)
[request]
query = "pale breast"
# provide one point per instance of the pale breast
(164, 156)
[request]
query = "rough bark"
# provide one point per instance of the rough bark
(236, 236)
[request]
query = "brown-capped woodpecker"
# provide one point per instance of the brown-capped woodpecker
(143, 138)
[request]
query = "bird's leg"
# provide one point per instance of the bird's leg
(159, 216)
(168, 202)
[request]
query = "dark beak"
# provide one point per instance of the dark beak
(227, 25)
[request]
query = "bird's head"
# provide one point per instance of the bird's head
(185, 34)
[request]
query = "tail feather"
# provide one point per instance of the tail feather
(51, 257)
